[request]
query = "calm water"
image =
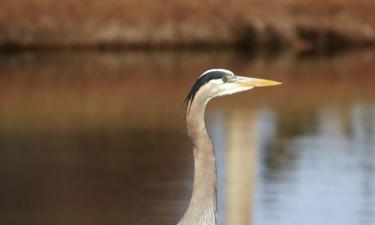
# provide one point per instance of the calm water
(99, 138)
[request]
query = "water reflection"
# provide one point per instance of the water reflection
(331, 174)
(99, 138)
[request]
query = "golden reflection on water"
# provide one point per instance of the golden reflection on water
(241, 167)
(99, 138)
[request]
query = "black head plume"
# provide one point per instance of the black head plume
(205, 78)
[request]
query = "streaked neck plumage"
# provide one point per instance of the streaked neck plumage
(202, 206)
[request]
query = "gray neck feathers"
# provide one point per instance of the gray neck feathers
(202, 206)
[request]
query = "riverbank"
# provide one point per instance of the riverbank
(312, 25)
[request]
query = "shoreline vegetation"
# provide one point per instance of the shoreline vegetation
(319, 25)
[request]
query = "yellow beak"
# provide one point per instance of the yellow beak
(255, 82)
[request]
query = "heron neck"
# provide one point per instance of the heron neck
(195, 123)
(202, 207)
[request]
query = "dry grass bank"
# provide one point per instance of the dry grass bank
(273, 24)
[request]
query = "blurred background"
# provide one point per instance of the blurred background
(92, 118)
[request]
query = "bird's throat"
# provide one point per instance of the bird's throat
(202, 207)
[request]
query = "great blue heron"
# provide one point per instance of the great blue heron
(212, 83)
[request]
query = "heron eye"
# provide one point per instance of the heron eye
(225, 79)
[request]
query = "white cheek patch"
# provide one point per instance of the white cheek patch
(232, 88)
(217, 87)
(216, 81)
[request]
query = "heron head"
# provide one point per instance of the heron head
(220, 82)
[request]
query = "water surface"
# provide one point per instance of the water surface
(99, 138)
